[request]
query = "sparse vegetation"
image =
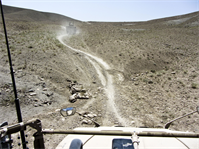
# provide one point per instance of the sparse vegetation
(158, 64)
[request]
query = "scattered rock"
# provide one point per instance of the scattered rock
(150, 82)
(45, 89)
(74, 89)
(36, 100)
(82, 96)
(83, 113)
(95, 115)
(48, 94)
(73, 98)
(68, 80)
(99, 89)
(57, 110)
(136, 83)
(134, 79)
(84, 121)
(89, 122)
(43, 85)
(36, 105)
(41, 79)
(30, 90)
(33, 94)
(91, 115)
(47, 102)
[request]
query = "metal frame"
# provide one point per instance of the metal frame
(36, 124)
(121, 133)
(39, 140)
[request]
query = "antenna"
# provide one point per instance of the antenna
(169, 123)
(13, 80)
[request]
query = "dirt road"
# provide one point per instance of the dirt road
(106, 80)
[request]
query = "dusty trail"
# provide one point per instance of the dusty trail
(106, 79)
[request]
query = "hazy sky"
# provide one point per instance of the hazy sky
(110, 10)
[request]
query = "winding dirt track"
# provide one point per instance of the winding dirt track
(106, 79)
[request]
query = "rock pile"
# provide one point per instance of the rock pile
(78, 92)
(87, 117)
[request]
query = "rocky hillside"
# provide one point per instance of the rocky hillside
(154, 68)
(158, 62)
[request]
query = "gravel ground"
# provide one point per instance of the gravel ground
(153, 73)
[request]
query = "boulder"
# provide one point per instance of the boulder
(82, 95)
(76, 88)
(77, 92)
(89, 122)
(91, 115)
(73, 98)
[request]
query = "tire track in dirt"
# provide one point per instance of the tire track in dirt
(106, 79)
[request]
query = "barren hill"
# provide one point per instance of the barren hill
(19, 14)
(135, 73)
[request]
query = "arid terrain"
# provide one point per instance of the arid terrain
(138, 74)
